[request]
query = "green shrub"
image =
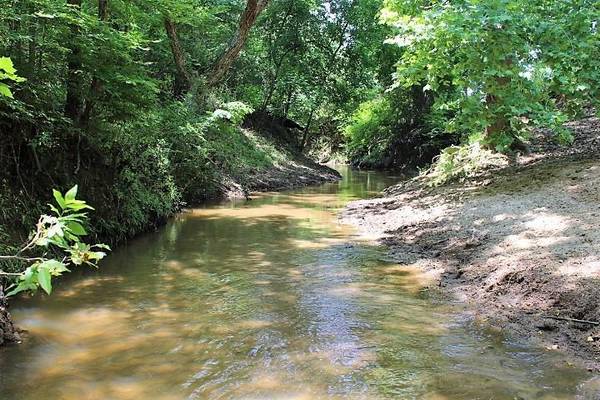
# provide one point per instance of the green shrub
(456, 162)
(392, 131)
(370, 131)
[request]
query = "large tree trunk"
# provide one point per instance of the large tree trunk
(74, 103)
(497, 126)
(493, 103)
(102, 10)
(183, 79)
(8, 332)
(247, 20)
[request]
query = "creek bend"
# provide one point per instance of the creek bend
(265, 299)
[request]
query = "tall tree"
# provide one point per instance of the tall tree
(499, 68)
(183, 78)
(247, 20)
(96, 85)
(74, 102)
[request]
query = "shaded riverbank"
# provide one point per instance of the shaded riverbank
(296, 172)
(517, 245)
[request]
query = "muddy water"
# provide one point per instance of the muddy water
(267, 299)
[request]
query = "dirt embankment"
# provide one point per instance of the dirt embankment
(519, 244)
(297, 172)
(293, 171)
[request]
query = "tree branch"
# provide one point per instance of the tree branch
(19, 258)
(247, 20)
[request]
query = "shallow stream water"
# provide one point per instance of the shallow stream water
(265, 299)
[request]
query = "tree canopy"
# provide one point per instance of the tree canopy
(496, 68)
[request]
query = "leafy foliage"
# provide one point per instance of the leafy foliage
(392, 131)
(8, 72)
(498, 68)
(456, 162)
(59, 233)
(137, 148)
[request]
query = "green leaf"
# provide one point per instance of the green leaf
(77, 205)
(70, 195)
(7, 65)
(44, 278)
(5, 91)
(96, 255)
(54, 209)
(59, 199)
(76, 228)
(59, 241)
(74, 217)
(21, 287)
(29, 274)
(55, 267)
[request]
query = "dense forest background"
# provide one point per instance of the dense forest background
(145, 104)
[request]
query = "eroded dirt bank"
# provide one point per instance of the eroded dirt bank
(294, 170)
(298, 171)
(517, 245)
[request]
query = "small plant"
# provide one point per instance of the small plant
(8, 72)
(456, 162)
(234, 112)
(55, 235)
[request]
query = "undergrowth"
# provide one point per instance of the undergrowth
(459, 162)
(138, 172)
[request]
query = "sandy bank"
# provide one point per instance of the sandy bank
(518, 244)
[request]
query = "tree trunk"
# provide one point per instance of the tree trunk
(273, 84)
(277, 60)
(31, 64)
(271, 89)
(492, 102)
(307, 129)
(183, 79)
(288, 101)
(102, 10)
(8, 332)
(74, 103)
(497, 126)
(247, 20)
(96, 85)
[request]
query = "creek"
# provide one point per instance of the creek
(266, 299)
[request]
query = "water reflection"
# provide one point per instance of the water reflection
(267, 299)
